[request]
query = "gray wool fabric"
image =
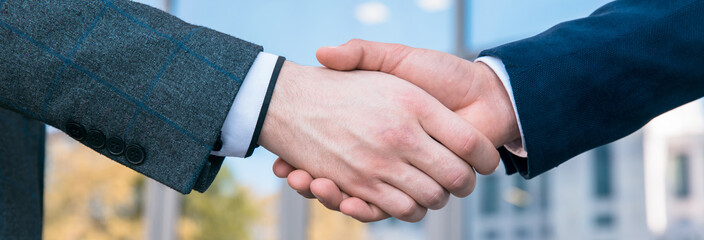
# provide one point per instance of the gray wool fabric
(123, 68)
(21, 176)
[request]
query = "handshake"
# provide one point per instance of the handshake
(383, 131)
(387, 130)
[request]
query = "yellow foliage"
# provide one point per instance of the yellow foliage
(88, 196)
(225, 211)
(326, 224)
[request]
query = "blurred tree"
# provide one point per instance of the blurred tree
(326, 224)
(225, 211)
(88, 196)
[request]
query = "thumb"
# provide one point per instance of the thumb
(363, 55)
(281, 168)
(443, 75)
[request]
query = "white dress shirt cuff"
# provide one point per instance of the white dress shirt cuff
(517, 147)
(241, 121)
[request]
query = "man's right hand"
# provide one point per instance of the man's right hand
(374, 136)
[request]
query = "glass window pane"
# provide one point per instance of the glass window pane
(604, 221)
(489, 195)
(682, 176)
(602, 172)
(544, 191)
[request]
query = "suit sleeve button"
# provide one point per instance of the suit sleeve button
(218, 145)
(116, 146)
(135, 154)
(76, 130)
(96, 139)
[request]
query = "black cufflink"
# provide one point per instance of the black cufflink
(218, 145)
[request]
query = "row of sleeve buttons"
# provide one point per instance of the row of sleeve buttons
(95, 139)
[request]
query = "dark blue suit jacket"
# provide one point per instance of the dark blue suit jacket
(591, 81)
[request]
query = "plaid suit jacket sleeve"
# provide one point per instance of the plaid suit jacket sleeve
(132, 82)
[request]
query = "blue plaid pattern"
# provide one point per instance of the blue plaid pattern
(139, 103)
(66, 61)
(158, 76)
(135, 101)
(63, 67)
(114, 66)
(220, 69)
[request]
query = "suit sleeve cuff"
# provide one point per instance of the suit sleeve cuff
(517, 147)
(240, 127)
(265, 106)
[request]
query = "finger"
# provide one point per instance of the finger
(444, 167)
(460, 137)
(361, 210)
(395, 202)
(300, 181)
(426, 191)
(327, 193)
(281, 168)
(332, 197)
(364, 55)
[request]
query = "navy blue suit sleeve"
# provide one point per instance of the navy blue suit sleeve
(591, 81)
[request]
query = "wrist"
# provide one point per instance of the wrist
(275, 116)
(498, 98)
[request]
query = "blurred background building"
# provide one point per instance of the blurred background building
(649, 185)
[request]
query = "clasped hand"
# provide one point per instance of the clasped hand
(387, 130)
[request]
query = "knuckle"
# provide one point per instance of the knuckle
(459, 180)
(379, 167)
(402, 137)
(399, 50)
(395, 55)
(367, 164)
(407, 210)
(490, 168)
(356, 40)
(468, 145)
(437, 198)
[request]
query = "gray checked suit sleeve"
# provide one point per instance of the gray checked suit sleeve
(134, 83)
